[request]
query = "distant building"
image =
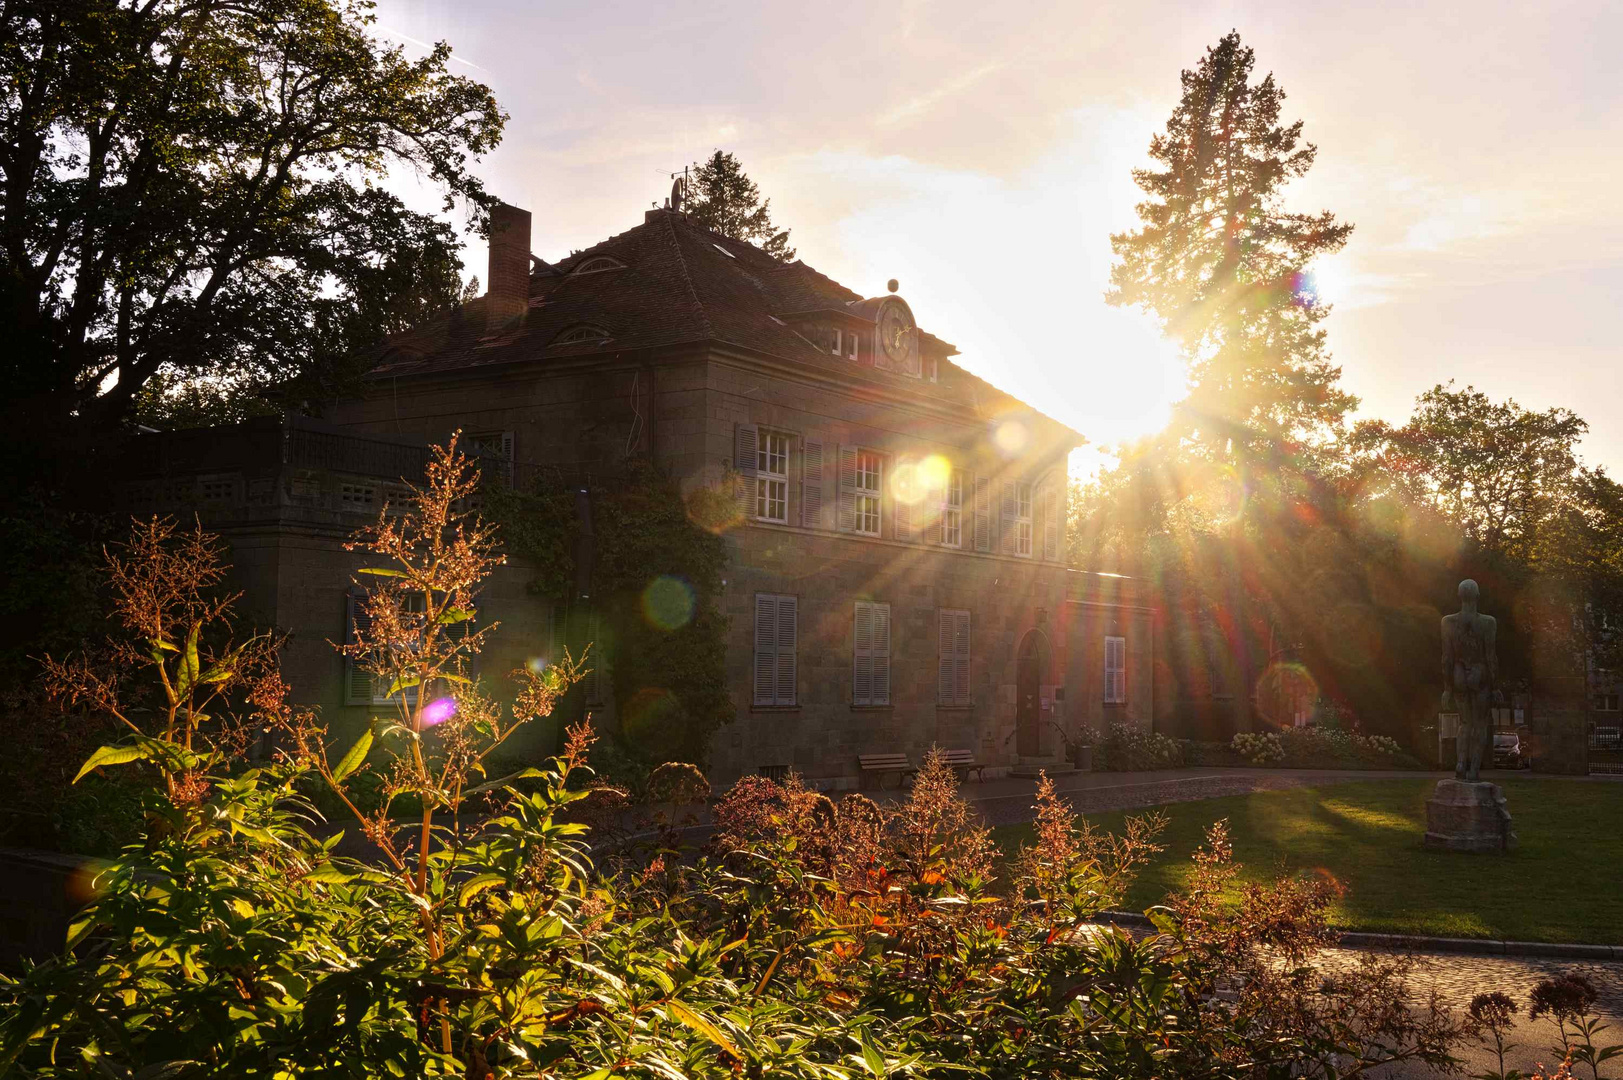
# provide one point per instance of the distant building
(896, 580)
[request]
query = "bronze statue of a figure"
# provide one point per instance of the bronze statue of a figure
(1470, 679)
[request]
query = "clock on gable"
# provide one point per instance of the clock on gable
(898, 336)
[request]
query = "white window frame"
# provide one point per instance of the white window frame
(1022, 519)
(869, 507)
(1115, 685)
(851, 340)
(952, 510)
(839, 342)
(870, 653)
(772, 476)
(776, 645)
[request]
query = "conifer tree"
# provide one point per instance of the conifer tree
(725, 200)
(1224, 266)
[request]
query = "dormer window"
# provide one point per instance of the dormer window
(839, 343)
(581, 335)
(599, 263)
(850, 345)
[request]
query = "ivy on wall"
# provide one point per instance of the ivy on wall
(656, 578)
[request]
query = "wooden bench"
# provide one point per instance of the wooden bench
(887, 763)
(963, 763)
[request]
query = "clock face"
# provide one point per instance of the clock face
(896, 334)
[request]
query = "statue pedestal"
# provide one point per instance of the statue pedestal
(1468, 817)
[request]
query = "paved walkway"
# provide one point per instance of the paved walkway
(1458, 978)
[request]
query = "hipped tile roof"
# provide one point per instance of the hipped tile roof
(679, 284)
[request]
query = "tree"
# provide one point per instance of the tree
(724, 200)
(1224, 266)
(1499, 471)
(190, 196)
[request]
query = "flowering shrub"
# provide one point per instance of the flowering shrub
(1129, 748)
(1320, 748)
(1259, 747)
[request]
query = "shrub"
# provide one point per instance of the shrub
(1259, 747)
(1321, 748)
(1128, 748)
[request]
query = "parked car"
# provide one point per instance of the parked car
(1507, 751)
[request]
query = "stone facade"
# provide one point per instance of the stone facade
(876, 480)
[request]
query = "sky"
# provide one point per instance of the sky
(982, 155)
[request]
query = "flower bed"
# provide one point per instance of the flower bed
(1321, 748)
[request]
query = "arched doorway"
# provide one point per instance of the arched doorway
(1030, 673)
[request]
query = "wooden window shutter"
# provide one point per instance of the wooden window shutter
(983, 514)
(881, 654)
(848, 489)
(507, 458)
(811, 486)
(357, 680)
(1006, 519)
(870, 654)
(766, 649)
(952, 644)
(746, 439)
(960, 650)
(1053, 512)
(862, 655)
(786, 650)
(903, 516)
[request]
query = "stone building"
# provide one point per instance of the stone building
(895, 578)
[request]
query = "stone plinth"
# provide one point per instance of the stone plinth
(1468, 817)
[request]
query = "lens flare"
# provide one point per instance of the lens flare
(84, 882)
(934, 472)
(537, 664)
(905, 484)
(1011, 438)
(439, 711)
(1286, 692)
(668, 603)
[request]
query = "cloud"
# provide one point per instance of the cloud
(927, 101)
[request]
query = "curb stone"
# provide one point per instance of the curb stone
(1355, 939)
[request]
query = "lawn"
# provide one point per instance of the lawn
(1564, 882)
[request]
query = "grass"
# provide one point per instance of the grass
(1564, 881)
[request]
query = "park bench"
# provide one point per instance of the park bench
(887, 763)
(963, 763)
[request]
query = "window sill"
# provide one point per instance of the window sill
(954, 708)
(774, 708)
(872, 708)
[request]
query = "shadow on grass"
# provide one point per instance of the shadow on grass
(1564, 882)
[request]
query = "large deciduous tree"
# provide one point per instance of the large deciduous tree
(1499, 471)
(1224, 266)
(725, 200)
(190, 195)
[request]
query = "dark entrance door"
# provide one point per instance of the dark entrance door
(1028, 677)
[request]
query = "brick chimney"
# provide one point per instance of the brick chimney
(507, 287)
